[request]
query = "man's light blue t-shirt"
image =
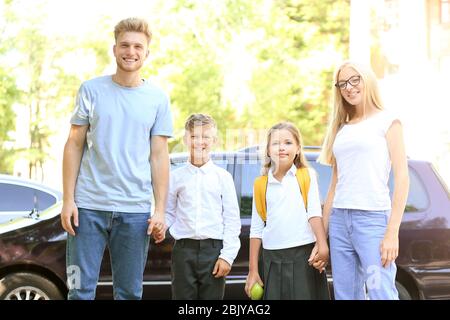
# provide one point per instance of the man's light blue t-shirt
(115, 170)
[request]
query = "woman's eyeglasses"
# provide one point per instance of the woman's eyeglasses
(354, 81)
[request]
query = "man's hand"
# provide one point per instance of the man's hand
(157, 227)
(221, 268)
(160, 235)
(68, 211)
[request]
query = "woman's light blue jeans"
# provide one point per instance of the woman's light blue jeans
(125, 234)
(355, 238)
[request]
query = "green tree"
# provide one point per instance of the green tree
(9, 94)
(297, 60)
(247, 63)
(251, 64)
(188, 59)
(52, 64)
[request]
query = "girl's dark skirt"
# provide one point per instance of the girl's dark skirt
(288, 276)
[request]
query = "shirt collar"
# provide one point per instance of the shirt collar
(207, 167)
(291, 172)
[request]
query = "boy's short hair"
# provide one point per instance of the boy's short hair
(133, 25)
(199, 119)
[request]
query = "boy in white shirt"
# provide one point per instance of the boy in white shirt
(203, 217)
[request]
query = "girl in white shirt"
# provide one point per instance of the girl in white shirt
(362, 142)
(292, 237)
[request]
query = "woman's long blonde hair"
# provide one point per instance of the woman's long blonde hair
(343, 111)
(299, 160)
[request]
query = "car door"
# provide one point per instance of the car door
(425, 233)
(247, 168)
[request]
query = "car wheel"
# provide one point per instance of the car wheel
(403, 293)
(28, 286)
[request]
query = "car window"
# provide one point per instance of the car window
(220, 161)
(249, 173)
(441, 181)
(323, 178)
(417, 196)
(21, 198)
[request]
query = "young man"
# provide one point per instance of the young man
(116, 150)
(203, 216)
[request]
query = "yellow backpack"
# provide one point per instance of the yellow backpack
(260, 188)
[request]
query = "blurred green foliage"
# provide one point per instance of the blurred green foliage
(249, 64)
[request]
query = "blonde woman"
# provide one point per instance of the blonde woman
(362, 143)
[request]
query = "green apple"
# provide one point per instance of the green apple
(256, 292)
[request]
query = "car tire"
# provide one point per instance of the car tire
(28, 286)
(403, 293)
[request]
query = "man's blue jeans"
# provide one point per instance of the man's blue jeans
(355, 238)
(125, 234)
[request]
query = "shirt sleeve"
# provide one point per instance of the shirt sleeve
(231, 220)
(163, 125)
(314, 206)
(257, 224)
(171, 207)
(83, 107)
(387, 120)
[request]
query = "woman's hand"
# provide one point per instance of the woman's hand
(319, 257)
(389, 248)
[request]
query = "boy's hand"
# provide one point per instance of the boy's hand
(156, 225)
(160, 235)
(221, 268)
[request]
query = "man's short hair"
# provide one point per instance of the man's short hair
(133, 25)
(199, 119)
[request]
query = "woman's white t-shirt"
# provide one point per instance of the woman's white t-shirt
(363, 164)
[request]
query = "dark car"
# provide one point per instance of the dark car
(20, 198)
(32, 247)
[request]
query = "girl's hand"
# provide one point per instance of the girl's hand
(252, 278)
(313, 254)
(319, 257)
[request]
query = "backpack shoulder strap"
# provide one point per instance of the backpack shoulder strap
(304, 180)
(259, 192)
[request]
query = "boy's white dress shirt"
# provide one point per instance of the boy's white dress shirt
(202, 204)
